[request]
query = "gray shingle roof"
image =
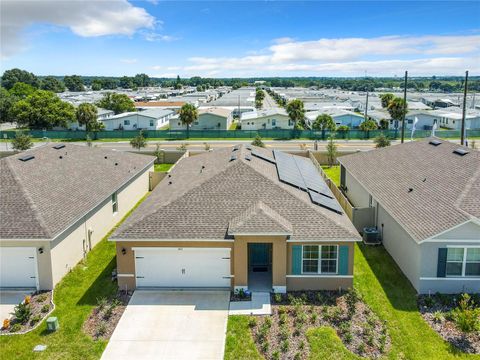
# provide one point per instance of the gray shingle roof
(257, 219)
(446, 186)
(42, 197)
(201, 203)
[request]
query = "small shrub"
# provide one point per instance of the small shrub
(312, 308)
(277, 297)
(282, 318)
(45, 308)
(268, 322)
(348, 337)
(284, 333)
(6, 323)
(15, 327)
(102, 303)
(429, 301)
(313, 318)
(101, 329)
(276, 355)
(320, 297)
(438, 316)
(22, 312)
(361, 348)
(466, 316)
(301, 346)
(108, 312)
(252, 322)
(344, 327)
(41, 298)
(302, 317)
(282, 310)
(370, 340)
(265, 347)
(35, 319)
(27, 299)
(258, 141)
(297, 356)
(285, 345)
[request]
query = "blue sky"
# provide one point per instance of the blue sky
(224, 39)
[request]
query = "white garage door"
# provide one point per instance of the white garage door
(18, 267)
(182, 267)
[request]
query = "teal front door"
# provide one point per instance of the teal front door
(259, 256)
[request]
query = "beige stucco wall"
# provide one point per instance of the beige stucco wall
(126, 263)
(43, 260)
(279, 258)
(73, 245)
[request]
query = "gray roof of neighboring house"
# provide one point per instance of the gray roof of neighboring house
(206, 194)
(102, 111)
(156, 113)
(43, 196)
(258, 114)
(445, 186)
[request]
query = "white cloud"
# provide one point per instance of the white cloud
(153, 36)
(84, 18)
(387, 55)
(128, 61)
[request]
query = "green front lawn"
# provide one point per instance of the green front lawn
(333, 173)
(389, 294)
(162, 167)
(75, 297)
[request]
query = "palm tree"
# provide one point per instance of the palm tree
(324, 122)
(188, 114)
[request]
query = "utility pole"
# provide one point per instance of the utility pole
(366, 108)
(464, 112)
(404, 107)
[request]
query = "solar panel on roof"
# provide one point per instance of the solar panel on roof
(325, 202)
(461, 151)
(435, 142)
(26, 158)
(59, 146)
(261, 156)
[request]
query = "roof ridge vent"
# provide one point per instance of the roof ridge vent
(435, 142)
(461, 151)
(59, 146)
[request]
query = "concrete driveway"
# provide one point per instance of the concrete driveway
(171, 325)
(8, 300)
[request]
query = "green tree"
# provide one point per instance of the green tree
(11, 77)
(138, 141)
(118, 103)
(258, 141)
(385, 99)
(126, 82)
(43, 109)
(397, 108)
(296, 112)
(7, 101)
(368, 125)
(96, 85)
(74, 83)
(86, 114)
(188, 114)
(21, 90)
(141, 80)
(324, 122)
(51, 83)
(384, 124)
(381, 141)
(22, 141)
(331, 152)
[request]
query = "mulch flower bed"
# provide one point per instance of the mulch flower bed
(448, 314)
(36, 308)
(104, 318)
(283, 334)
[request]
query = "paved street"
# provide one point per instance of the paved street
(269, 102)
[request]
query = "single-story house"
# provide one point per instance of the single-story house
(240, 218)
(340, 117)
(103, 114)
(276, 118)
(57, 202)
(151, 119)
(424, 198)
(212, 118)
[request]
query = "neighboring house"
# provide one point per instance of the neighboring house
(151, 119)
(340, 117)
(266, 119)
(213, 118)
(166, 105)
(103, 114)
(57, 202)
(424, 198)
(450, 118)
(225, 219)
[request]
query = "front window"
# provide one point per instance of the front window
(151, 122)
(274, 122)
(126, 122)
(463, 262)
(319, 259)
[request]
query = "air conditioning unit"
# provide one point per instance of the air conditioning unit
(371, 236)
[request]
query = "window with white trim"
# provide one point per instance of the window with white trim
(463, 262)
(114, 203)
(126, 122)
(319, 259)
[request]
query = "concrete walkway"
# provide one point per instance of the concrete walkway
(259, 305)
(162, 324)
(8, 300)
